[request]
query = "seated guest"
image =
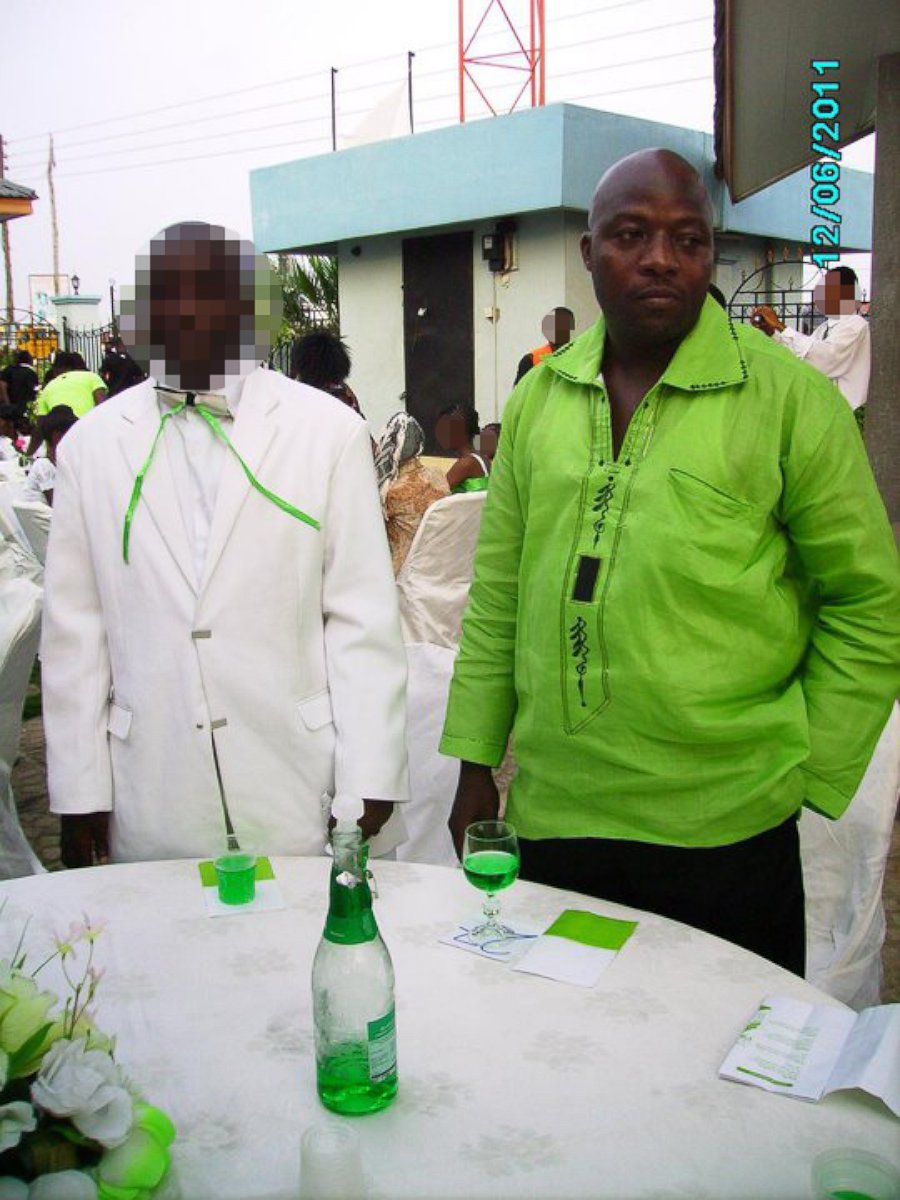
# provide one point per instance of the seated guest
(19, 382)
(321, 360)
(406, 485)
(8, 433)
(52, 427)
(456, 430)
(73, 385)
(487, 445)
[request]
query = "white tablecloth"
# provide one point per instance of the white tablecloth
(510, 1085)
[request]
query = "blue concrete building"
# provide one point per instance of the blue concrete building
(452, 244)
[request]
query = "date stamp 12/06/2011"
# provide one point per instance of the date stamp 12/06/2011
(825, 172)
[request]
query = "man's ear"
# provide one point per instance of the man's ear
(585, 245)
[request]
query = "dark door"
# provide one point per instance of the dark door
(437, 326)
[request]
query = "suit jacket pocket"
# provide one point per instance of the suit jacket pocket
(315, 711)
(118, 721)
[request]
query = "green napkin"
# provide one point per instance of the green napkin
(606, 933)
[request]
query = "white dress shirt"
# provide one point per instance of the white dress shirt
(841, 349)
(196, 457)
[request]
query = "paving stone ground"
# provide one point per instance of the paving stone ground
(29, 782)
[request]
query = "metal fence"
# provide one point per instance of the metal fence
(89, 343)
(794, 305)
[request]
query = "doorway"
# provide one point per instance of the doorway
(438, 336)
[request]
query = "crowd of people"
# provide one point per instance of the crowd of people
(685, 603)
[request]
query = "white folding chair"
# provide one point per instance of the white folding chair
(434, 580)
(843, 873)
(20, 627)
(34, 517)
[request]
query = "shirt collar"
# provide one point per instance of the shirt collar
(709, 357)
(221, 402)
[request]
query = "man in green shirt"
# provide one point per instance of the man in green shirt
(686, 594)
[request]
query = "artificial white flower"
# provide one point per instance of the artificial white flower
(63, 1185)
(15, 1119)
(24, 1009)
(88, 1087)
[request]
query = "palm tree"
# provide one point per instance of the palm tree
(309, 286)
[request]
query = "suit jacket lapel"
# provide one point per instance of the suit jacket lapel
(140, 422)
(252, 435)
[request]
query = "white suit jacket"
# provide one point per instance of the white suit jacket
(288, 654)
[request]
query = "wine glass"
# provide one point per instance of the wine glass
(491, 863)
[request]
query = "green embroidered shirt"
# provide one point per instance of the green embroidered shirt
(690, 640)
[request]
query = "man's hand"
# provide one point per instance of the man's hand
(766, 320)
(477, 799)
(375, 814)
(84, 839)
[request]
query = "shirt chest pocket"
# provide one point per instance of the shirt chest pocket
(713, 536)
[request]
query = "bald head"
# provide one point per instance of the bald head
(649, 249)
(649, 171)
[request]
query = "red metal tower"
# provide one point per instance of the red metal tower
(518, 56)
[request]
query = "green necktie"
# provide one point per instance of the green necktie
(220, 433)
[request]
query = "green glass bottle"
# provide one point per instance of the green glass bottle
(353, 992)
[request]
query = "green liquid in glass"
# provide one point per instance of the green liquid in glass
(236, 876)
(491, 870)
(843, 1194)
(344, 1084)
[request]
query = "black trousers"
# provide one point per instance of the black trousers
(750, 893)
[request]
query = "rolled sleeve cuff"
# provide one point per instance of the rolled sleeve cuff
(488, 754)
(822, 797)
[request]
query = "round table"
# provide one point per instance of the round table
(511, 1085)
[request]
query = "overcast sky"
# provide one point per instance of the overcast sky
(159, 109)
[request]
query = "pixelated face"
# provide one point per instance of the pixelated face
(557, 327)
(450, 431)
(204, 309)
(834, 297)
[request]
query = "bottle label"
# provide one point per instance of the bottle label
(382, 1040)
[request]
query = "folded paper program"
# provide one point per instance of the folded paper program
(807, 1050)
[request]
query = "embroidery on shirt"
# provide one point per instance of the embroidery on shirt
(581, 652)
(601, 507)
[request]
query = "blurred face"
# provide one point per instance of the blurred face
(450, 432)
(834, 297)
(557, 327)
(649, 251)
(204, 307)
(196, 308)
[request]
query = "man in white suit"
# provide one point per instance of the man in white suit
(221, 646)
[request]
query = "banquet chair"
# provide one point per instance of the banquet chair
(843, 871)
(432, 776)
(34, 518)
(20, 626)
(17, 560)
(11, 471)
(434, 581)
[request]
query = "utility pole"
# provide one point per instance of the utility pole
(51, 163)
(7, 261)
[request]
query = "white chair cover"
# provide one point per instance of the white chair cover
(11, 471)
(16, 558)
(432, 776)
(34, 517)
(20, 626)
(843, 869)
(434, 580)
